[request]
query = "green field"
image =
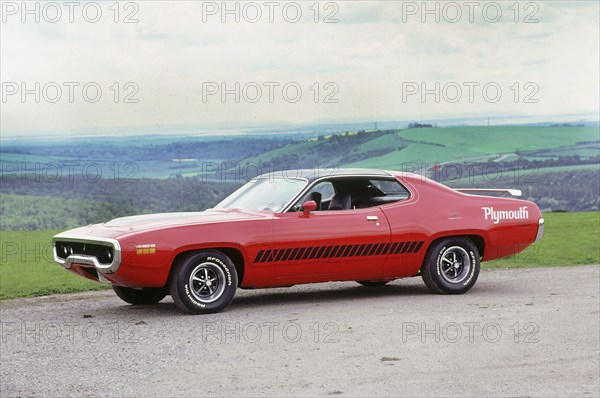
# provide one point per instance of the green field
(27, 269)
(393, 149)
(502, 139)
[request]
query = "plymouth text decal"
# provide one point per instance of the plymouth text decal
(490, 214)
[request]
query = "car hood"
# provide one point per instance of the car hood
(124, 226)
(167, 220)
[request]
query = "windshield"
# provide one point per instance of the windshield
(263, 194)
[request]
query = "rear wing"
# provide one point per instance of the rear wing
(513, 192)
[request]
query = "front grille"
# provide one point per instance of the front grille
(103, 253)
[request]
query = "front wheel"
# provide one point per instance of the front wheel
(451, 266)
(142, 296)
(203, 283)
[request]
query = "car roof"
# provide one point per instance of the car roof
(315, 174)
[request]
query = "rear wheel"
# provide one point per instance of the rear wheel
(203, 283)
(141, 296)
(373, 283)
(451, 266)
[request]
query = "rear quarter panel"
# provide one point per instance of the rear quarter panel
(435, 211)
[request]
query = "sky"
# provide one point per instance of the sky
(68, 68)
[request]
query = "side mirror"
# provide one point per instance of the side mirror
(308, 206)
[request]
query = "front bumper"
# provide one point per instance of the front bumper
(69, 257)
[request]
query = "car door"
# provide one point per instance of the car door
(328, 245)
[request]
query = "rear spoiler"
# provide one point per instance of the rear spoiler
(512, 192)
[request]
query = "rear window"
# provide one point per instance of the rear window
(390, 187)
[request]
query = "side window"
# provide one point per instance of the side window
(325, 189)
(375, 192)
(353, 193)
(320, 193)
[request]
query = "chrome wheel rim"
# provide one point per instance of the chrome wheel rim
(207, 282)
(454, 264)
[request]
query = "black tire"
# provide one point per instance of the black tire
(142, 296)
(451, 266)
(372, 283)
(193, 295)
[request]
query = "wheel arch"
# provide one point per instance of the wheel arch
(476, 239)
(233, 253)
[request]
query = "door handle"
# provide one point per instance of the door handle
(372, 218)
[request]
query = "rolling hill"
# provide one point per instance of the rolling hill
(394, 148)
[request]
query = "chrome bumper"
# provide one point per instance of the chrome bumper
(85, 259)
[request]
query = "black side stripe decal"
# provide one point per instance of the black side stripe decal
(259, 256)
(319, 252)
(418, 247)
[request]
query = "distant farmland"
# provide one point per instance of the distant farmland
(66, 182)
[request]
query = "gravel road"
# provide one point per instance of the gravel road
(530, 332)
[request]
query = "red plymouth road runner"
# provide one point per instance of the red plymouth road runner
(304, 226)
